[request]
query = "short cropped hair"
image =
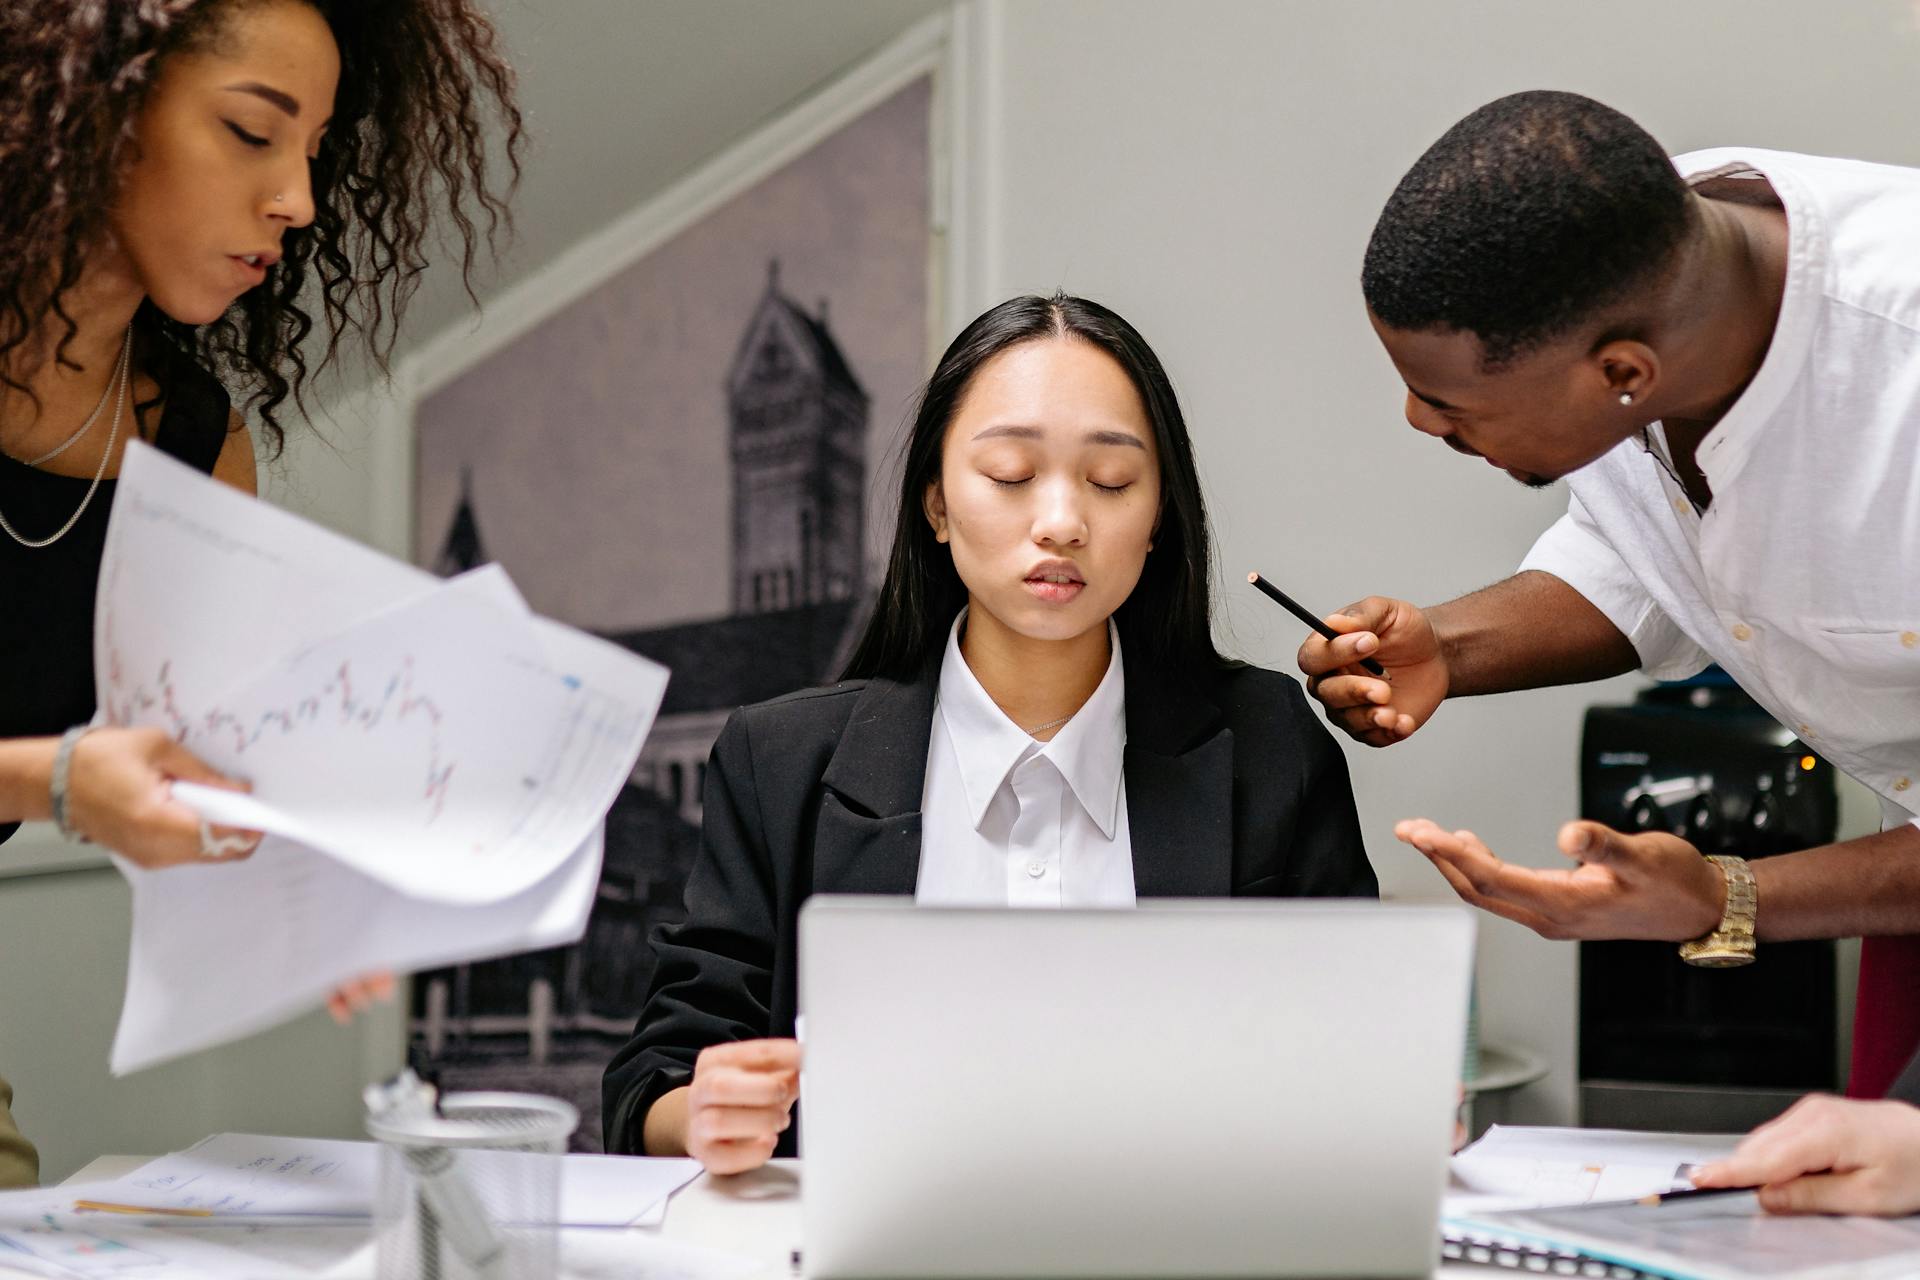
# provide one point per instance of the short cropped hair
(1530, 216)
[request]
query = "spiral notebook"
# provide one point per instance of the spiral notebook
(1567, 1202)
(1716, 1238)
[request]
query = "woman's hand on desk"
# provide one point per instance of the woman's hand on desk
(118, 796)
(740, 1102)
(1829, 1155)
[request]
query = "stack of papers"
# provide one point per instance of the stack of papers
(250, 1204)
(431, 761)
(254, 1176)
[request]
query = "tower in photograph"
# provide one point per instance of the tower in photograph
(462, 549)
(798, 433)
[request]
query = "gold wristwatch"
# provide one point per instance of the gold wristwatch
(1730, 945)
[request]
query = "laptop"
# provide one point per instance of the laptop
(1208, 1088)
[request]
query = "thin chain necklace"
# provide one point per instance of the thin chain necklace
(1051, 724)
(106, 394)
(122, 376)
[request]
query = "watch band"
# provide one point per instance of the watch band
(1732, 944)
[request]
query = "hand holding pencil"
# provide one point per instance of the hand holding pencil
(1387, 705)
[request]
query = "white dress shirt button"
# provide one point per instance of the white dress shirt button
(1036, 869)
(1742, 632)
(1901, 784)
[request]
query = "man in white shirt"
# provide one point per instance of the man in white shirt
(1721, 354)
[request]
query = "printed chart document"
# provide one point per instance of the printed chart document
(251, 1175)
(41, 1234)
(1574, 1190)
(285, 1206)
(430, 760)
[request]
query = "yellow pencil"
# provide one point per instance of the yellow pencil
(101, 1206)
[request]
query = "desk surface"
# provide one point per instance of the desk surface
(755, 1214)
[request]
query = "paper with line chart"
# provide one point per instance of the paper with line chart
(471, 764)
(431, 760)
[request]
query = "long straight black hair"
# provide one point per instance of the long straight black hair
(1164, 624)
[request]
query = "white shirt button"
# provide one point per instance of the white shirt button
(1742, 632)
(1036, 869)
(1901, 784)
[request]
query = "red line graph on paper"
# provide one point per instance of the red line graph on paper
(338, 701)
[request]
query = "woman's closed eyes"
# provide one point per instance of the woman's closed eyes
(251, 139)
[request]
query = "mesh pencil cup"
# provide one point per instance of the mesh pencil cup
(469, 1190)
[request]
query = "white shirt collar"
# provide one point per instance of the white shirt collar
(1724, 450)
(1089, 750)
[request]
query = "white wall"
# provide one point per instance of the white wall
(1213, 170)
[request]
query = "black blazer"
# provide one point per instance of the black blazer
(1234, 789)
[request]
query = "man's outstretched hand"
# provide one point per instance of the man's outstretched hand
(1653, 885)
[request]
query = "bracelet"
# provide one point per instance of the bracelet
(62, 767)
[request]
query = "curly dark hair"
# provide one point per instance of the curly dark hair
(408, 145)
(1531, 215)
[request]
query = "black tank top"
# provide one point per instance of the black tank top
(46, 593)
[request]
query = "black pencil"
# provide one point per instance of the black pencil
(1292, 606)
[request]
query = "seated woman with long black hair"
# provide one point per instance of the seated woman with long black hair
(1036, 716)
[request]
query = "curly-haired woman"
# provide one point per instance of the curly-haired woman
(188, 190)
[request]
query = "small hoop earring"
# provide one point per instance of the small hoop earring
(1626, 397)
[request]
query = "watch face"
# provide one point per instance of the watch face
(1717, 954)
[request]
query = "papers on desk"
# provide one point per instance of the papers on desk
(1520, 1167)
(431, 761)
(296, 1206)
(1561, 1189)
(236, 1174)
(41, 1234)
(65, 1246)
(247, 1173)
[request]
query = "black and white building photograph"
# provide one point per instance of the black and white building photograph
(679, 460)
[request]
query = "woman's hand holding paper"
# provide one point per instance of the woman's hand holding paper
(1829, 1155)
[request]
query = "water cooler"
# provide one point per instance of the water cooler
(1664, 1045)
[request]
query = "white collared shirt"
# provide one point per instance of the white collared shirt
(1010, 821)
(1802, 578)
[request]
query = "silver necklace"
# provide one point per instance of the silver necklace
(106, 394)
(122, 375)
(1051, 724)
